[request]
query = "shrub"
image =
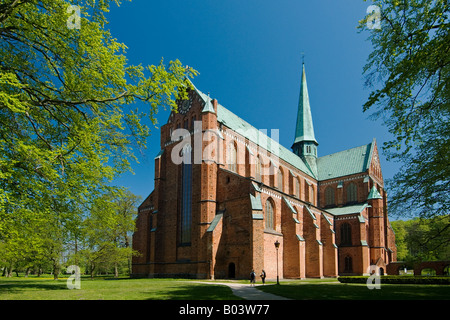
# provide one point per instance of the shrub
(398, 279)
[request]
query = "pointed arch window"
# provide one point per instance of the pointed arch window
(348, 264)
(232, 157)
(280, 179)
(346, 234)
(297, 187)
(352, 195)
(269, 214)
(329, 196)
(186, 197)
(258, 169)
(194, 118)
(307, 186)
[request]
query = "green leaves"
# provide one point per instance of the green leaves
(72, 110)
(411, 63)
(64, 94)
(422, 239)
(106, 231)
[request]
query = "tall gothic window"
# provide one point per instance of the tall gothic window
(297, 187)
(269, 215)
(186, 198)
(232, 157)
(258, 169)
(346, 234)
(307, 191)
(329, 196)
(280, 179)
(352, 195)
(194, 118)
(348, 264)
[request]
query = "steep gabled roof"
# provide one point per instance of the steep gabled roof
(232, 121)
(242, 127)
(347, 162)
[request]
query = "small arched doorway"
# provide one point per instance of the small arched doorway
(231, 270)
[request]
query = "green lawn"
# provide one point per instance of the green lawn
(331, 289)
(20, 288)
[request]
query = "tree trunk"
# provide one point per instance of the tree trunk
(9, 274)
(92, 270)
(55, 270)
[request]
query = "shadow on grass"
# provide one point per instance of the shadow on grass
(197, 292)
(23, 285)
(359, 292)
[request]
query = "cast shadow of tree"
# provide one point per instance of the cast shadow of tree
(199, 292)
(19, 286)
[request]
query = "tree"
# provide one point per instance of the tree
(66, 122)
(69, 121)
(422, 239)
(126, 206)
(400, 239)
(409, 71)
(107, 231)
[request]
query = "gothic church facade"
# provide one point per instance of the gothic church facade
(229, 198)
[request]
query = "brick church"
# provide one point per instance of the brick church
(228, 198)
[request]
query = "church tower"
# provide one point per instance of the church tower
(305, 144)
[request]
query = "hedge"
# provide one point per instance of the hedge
(398, 279)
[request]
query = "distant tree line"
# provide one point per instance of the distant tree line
(422, 239)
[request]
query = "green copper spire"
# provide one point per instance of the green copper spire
(305, 143)
(304, 130)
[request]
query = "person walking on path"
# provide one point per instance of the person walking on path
(252, 278)
(263, 276)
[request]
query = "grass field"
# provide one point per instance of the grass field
(18, 288)
(21, 288)
(326, 289)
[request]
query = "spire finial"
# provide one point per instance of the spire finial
(303, 57)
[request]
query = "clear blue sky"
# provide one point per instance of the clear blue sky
(248, 53)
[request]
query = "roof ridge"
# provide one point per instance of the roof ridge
(364, 145)
(369, 158)
(270, 144)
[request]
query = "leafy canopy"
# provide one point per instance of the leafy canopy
(409, 72)
(69, 121)
(67, 124)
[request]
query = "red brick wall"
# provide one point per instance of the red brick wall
(307, 241)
